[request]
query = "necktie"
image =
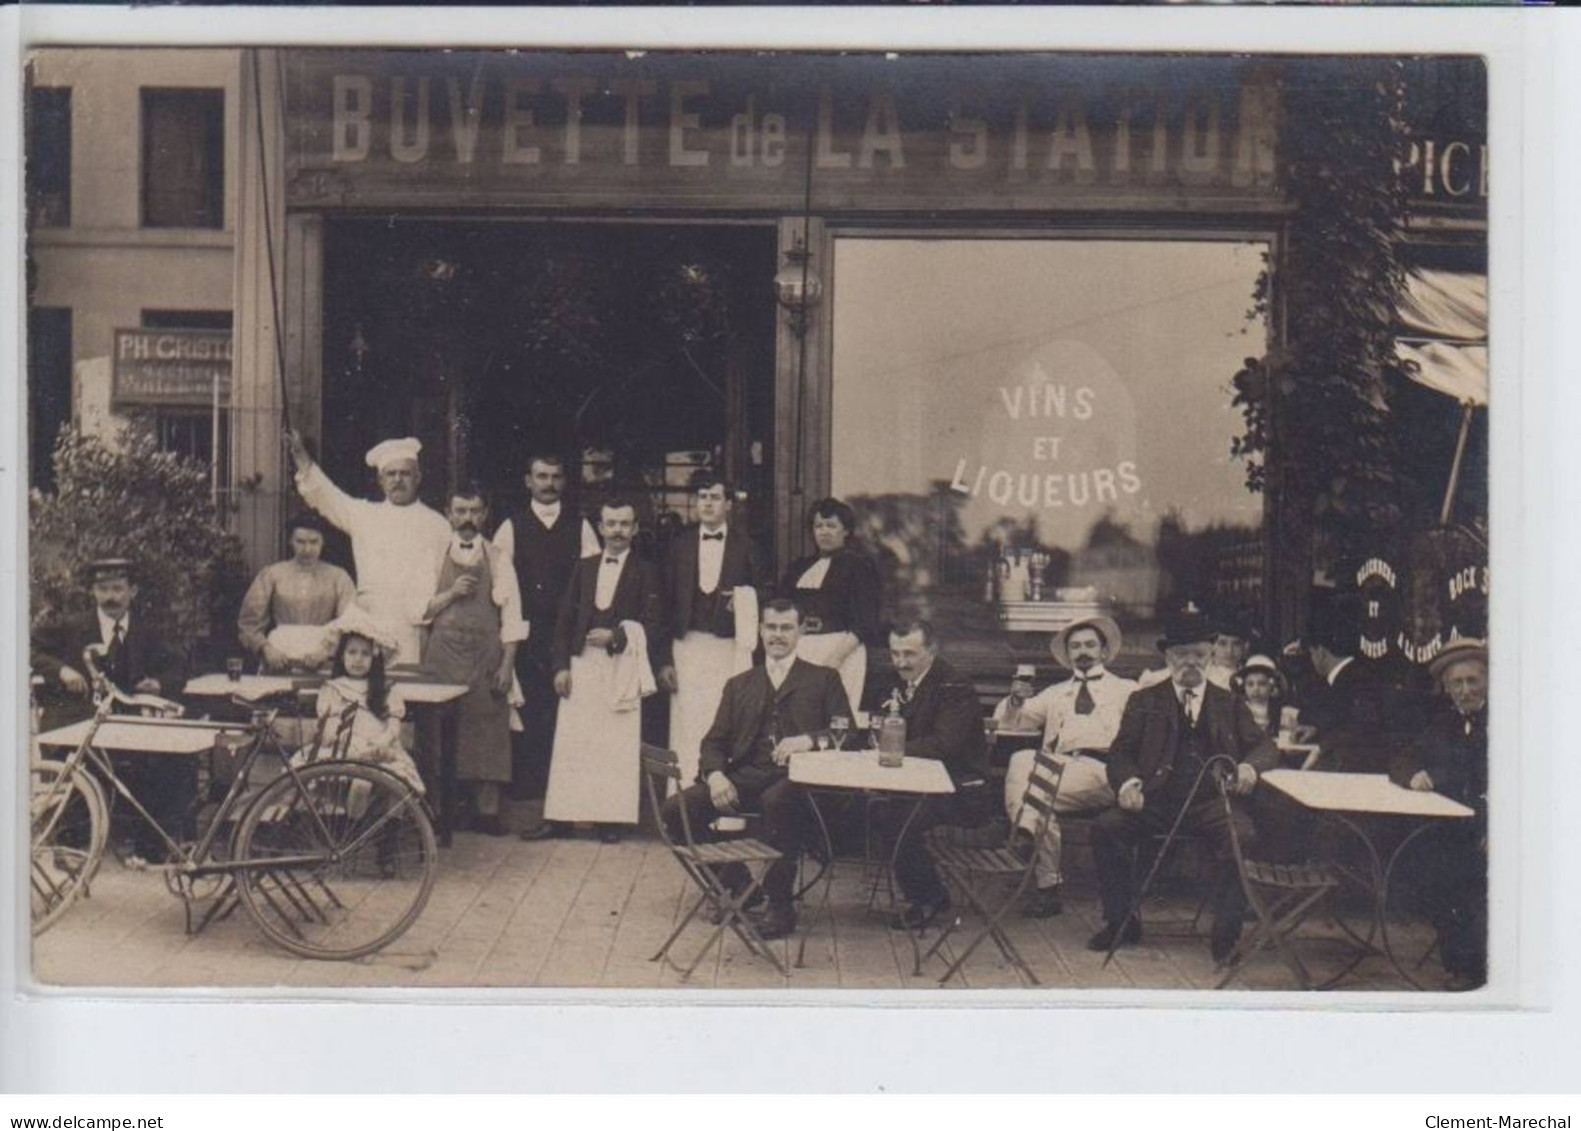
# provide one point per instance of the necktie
(117, 635)
(1084, 700)
(720, 537)
(467, 545)
(611, 561)
(1187, 697)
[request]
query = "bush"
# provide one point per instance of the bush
(130, 499)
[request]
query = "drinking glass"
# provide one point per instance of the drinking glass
(233, 669)
(839, 727)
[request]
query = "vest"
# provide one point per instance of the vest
(544, 560)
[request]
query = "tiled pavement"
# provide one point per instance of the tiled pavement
(578, 913)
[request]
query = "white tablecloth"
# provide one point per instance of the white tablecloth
(1361, 793)
(859, 769)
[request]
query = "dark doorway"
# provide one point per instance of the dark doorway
(636, 351)
(48, 388)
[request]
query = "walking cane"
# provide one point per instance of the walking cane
(1169, 839)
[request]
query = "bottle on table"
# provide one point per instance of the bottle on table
(892, 737)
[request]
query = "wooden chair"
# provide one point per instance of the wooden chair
(977, 871)
(701, 863)
(1282, 897)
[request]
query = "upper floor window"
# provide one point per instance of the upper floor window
(49, 157)
(183, 158)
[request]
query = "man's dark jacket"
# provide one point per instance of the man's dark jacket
(141, 655)
(1149, 735)
(636, 598)
(1456, 760)
(945, 721)
(1364, 718)
(807, 699)
(742, 564)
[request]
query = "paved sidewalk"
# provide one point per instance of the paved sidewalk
(578, 913)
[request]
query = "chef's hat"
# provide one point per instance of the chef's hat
(387, 452)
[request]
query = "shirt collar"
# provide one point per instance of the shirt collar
(107, 623)
(547, 512)
(620, 558)
(724, 528)
(1333, 673)
(916, 683)
(1197, 692)
(1097, 671)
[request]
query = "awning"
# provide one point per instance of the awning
(1444, 333)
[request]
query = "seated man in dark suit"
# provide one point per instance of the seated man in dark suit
(135, 660)
(943, 721)
(1450, 756)
(1167, 735)
(1361, 710)
(766, 715)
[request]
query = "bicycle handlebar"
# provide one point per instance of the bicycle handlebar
(104, 689)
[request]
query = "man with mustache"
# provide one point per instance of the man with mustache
(475, 625)
(1079, 719)
(1167, 735)
(396, 543)
(136, 660)
(544, 541)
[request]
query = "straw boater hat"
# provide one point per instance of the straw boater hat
(359, 621)
(1189, 626)
(1104, 626)
(102, 569)
(1467, 648)
(1267, 667)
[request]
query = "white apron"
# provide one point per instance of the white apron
(593, 771)
(704, 663)
(819, 648)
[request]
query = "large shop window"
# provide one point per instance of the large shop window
(183, 158)
(1035, 429)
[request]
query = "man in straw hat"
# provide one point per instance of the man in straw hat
(1079, 718)
(1167, 735)
(397, 543)
(1450, 757)
(136, 660)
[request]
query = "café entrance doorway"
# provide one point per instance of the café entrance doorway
(636, 351)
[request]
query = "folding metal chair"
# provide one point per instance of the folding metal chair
(1282, 897)
(968, 865)
(701, 863)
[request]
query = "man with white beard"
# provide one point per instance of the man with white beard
(397, 543)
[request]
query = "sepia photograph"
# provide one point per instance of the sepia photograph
(759, 521)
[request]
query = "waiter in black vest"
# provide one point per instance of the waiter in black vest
(544, 544)
(713, 575)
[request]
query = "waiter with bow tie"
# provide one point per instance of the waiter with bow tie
(608, 637)
(1079, 719)
(713, 575)
(474, 627)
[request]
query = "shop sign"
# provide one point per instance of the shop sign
(170, 367)
(773, 131)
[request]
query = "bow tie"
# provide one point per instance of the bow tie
(468, 545)
(720, 537)
(611, 561)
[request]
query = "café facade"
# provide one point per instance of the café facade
(995, 303)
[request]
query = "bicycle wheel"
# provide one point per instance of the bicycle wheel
(337, 866)
(69, 826)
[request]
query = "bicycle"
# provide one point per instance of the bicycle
(332, 859)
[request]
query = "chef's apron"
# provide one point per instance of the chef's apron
(464, 647)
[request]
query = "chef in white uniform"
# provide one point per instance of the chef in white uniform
(398, 544)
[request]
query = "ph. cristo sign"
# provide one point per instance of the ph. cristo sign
(745, 130)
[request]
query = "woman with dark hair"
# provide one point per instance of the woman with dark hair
(283, 616)
(840, 597)
(1261, 687)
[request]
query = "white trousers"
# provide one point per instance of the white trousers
(1083, 786)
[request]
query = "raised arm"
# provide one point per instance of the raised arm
(317, 490)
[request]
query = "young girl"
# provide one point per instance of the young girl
(359, 712)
